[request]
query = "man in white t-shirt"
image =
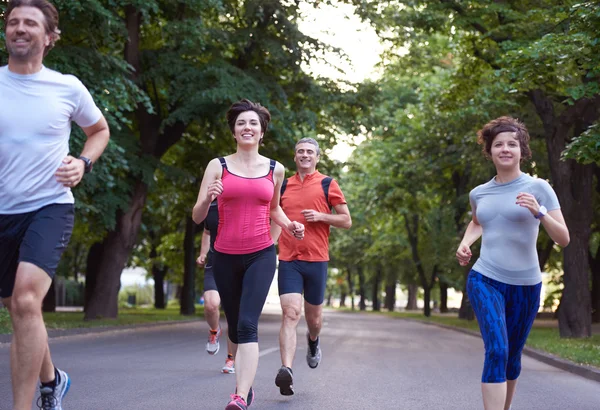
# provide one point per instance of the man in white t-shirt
(37, 106)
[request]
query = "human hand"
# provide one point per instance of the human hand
(70, 172)
(463, 254)
(311, 215)
(296, 229)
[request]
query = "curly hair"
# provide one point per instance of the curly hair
(50, 18)
(486, 135)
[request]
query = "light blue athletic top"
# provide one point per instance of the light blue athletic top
(36, 111)
(508, 244)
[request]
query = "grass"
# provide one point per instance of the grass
(544, 336)
(127, 316)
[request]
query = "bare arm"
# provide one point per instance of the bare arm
(473, 232)
(204, 247)
(210, 188)
(275, 232)
(71, 172)
(553, 221)
(341, 218)
(296, 229)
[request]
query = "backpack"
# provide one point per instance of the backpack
(325, 182)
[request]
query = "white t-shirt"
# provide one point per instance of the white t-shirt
(36, 111)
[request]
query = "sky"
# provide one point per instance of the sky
(339, 27)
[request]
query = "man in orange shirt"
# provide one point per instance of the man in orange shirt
(307, 196)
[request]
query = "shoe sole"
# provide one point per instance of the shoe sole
(284, 382)
(233, 406)
(228, 371)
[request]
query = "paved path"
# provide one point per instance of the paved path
(369, 362)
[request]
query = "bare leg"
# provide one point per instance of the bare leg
(30, 339)
(232, 348)
(47, 372)
(291, 304)
(211, 308)
(494, 395)
(314, 319)
(246, 363)
(511, 387)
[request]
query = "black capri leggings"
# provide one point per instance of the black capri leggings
(243, 282)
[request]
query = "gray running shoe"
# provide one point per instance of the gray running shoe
(51, 399)
(285, 381)
(313, 354)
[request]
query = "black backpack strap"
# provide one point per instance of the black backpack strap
(325, 182)
(223, 163)
(283, 187)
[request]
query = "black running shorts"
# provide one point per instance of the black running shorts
(38, 237)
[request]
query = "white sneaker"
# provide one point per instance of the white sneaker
(212, 346)
(229, 367)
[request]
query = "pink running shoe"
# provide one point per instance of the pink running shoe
(236, 403)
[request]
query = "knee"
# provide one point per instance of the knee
(247, 331)
(291, 315)
(314, 321)
(25, 305)
(496, 359)
(211, 307)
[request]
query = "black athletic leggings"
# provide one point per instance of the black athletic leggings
(243, 282)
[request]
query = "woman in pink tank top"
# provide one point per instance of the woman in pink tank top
(246, 186)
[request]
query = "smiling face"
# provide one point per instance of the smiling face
(248, 129)
(306, 157)
(26, 36)
(506, 151)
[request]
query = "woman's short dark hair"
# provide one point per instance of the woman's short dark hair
(244, 105)
(50, 17)
(486, 135)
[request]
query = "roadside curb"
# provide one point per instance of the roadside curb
(589, 372)
(56, 333)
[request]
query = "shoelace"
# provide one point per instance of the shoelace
(239, 400)
(47, 401)
(229, 363)
(212, 338)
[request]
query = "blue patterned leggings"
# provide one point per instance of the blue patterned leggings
(505, 314)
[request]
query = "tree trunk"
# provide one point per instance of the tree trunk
(94, 258)
(443, 297)
(343, 299)
(376, 288)
(390, 296)
(188, 294)
(595, 265)
(573, 186)
(427, 301)
(49, 303)
(116, 248)
(411, 303)
(362, 303)
(158, 273)
(350, 287)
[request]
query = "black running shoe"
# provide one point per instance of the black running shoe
(285, 381)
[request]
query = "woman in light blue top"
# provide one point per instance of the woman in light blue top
(504, 284)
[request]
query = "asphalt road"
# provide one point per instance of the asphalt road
(369, 362)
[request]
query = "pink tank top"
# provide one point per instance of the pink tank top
(244, 212)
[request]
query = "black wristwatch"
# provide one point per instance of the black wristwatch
(88, 164)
